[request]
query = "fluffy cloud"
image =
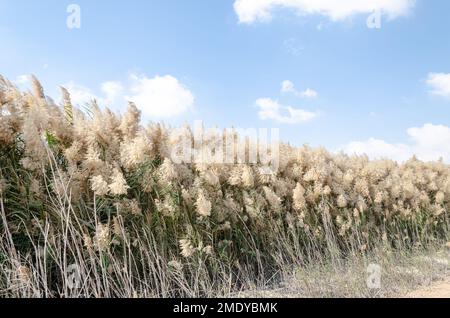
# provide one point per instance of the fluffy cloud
(81, 95)
(309, 93)
(439, 84)
(157, 97)
(429, 142)
(288, 87)
(250, 11)
(161, 96)
(22, 80)
(112, 90)
(377, 149)
(272, 110)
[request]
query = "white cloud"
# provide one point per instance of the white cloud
(158, 97)
(81, 95)
(377, 149)
(22, 80)
(288, 87)
(439, 84)
(161, 96)
(429, 143)
(272, 110)
(309, 93)
(112, 90)
(250, 11)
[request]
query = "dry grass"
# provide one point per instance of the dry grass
(404, 273)
(93, 198)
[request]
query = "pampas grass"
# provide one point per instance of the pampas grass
(92, 206)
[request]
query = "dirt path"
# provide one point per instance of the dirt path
(436, 290)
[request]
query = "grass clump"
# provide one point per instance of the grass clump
(92, 205)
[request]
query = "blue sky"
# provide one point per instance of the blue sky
(384, 91)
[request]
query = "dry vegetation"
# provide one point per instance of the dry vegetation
(97, 192)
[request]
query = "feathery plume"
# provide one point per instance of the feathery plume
(118, 185)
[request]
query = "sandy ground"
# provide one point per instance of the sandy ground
(436, 290)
